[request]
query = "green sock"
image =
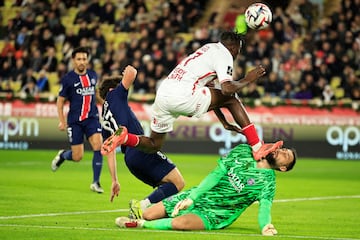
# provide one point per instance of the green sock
(160, 224)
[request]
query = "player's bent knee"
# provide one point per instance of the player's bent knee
(180, 185)
(76, 157)
(155, 211)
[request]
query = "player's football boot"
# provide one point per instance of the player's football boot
(266, 148)
(135, 210)
(118, 138)
(125, 222)
(95, 187)
(57, 161)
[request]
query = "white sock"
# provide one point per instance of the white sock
(256, 147)
(144, 203)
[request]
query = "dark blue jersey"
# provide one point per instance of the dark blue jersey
(80, 91)
(116, 112)
(150, 168)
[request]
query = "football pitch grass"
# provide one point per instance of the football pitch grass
(318, 199)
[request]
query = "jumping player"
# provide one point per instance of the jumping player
(185, 92)
(79, 88)
(154, 169)
(236, 183)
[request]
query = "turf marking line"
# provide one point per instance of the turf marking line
(171, 232)
(125, 210)
(62, 214)
(316, 198)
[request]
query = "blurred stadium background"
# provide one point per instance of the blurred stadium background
(309, 97)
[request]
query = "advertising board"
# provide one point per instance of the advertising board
(320, 133)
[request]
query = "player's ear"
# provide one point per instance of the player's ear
(283, 168)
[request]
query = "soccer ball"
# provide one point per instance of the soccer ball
(258, 16)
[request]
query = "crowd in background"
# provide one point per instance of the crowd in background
(306, 56)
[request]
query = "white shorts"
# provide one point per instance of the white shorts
(166, 109)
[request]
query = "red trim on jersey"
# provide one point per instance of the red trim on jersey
(202, 77)
(86, 104)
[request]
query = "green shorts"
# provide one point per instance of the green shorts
(213, 216)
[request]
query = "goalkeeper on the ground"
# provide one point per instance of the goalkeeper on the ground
(236, 183)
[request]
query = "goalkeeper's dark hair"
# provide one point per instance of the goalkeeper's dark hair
(107, 84)
(292, 164)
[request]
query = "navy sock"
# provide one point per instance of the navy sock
(97, 165)
(67, 155)
(163, 191)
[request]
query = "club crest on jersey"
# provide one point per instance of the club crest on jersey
(93, 81)
(229, 70)
(251, 181)
(86, 91)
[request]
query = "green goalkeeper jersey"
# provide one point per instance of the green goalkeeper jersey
(229, 189)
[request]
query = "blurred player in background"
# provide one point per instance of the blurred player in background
(185, 92)
(236, 183)
(79, 88)
(154, 169)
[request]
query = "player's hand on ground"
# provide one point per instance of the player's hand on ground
(269, 230)
(183, 204)
(255, 74)
(115, 189)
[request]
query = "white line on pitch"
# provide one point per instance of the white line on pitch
(316, 198)
(125, 210)
(62, 213)
(172, 232)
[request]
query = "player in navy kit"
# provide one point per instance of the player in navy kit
(79, 88)
(154, 169)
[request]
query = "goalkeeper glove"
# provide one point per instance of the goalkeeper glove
(269, 230)
(183, 204)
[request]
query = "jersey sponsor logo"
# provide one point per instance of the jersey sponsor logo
(85, 91)
(77, 84)
(235, 181)
(177, 74)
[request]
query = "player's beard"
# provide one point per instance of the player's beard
(81, 69)
(270, 158)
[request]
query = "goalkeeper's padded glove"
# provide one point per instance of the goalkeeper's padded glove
(183, 204)
(268, 230)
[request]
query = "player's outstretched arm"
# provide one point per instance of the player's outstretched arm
(129, 75)
(228, 88)
(115, 185)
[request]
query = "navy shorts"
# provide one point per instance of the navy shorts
(149, 168)
(77, 130)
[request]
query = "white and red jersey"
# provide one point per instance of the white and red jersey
(213, 60)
